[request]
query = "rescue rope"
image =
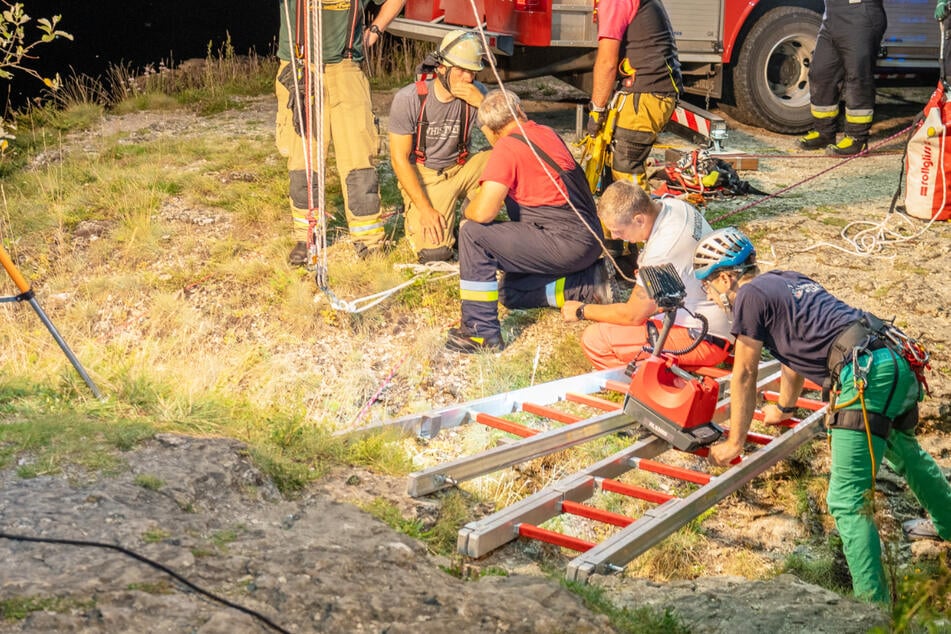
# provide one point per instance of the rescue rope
(421, 272)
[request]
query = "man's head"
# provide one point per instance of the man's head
(627, 211)
(498, 109)
(462, 49)
(722, 261)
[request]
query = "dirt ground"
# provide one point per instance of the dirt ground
(319, 564)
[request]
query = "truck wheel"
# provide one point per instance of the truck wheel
(771, 74)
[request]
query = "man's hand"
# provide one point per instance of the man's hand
(941, 10)
(772, 415)
(432, 226)
(721, 454)
(569, 311)
(468, 92)
(595, 122)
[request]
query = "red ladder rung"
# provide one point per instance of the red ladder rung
(634, 491)
(551, 537)
(674, 472)
(592, 513)
(710, 371)
(805, 403)
(549, 412)
(593, 401)
(616, 386)
(505, 425)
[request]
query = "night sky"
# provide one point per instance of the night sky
(147, 31)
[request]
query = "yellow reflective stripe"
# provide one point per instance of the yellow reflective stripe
(858, 118)
(479, 296)
(555, 292)
(825, 113)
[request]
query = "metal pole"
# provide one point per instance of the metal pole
(28, 295)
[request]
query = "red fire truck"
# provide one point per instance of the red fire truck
(751, 55)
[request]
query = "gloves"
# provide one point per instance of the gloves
(941, 10)
(595, 122)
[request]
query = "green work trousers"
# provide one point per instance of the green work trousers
(850, 490)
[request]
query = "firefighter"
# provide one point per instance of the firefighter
(842, 69)
(548, 251)
(431, 125)
(636, 56)
(941, 14)
(670, 230)
(348, 118)
(817, 336)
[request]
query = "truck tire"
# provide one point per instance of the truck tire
(771, 74)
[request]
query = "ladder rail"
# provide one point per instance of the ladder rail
(656, 524)
(467, 467)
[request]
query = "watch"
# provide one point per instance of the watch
(375, 29)
(787, 410)
(579, 313)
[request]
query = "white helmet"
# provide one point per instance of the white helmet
(463, 49)
(724, 249)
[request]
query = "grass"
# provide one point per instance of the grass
(160, 257)
(624, 619)
(18, 608)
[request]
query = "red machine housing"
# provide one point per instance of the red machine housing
(689, 403)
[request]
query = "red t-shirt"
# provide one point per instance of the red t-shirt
(614, 16)
(513, 164)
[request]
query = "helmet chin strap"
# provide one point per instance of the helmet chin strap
(444, 78)
(726, 305)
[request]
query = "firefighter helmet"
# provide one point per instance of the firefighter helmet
(463, 49)
(724, 249)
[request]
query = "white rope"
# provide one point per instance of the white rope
(420, 272)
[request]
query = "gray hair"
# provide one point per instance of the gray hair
(500, 108)
(621, 201)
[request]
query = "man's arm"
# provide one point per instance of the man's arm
(389, 10)
(634, 312)
(790, 387)
(605, 71)
(746, 356)
(487, 202)
(431, 224)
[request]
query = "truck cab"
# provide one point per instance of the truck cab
(752, 56)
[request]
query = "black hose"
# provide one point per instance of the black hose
(125, 551)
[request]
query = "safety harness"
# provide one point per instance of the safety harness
(866, 342)
(422, 125)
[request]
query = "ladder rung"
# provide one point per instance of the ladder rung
(634, 491)
(592, 513)
(616, 386)
(550, 412)
(552, 537)
(505, 425)
(593, 401)
(805, 403)
(712, 372)
(674, 472)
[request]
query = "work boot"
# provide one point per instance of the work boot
(363, 251)
(815, 140)
(604, 287)
(298, 255)
(438, 254)
(920, 528)
(848, 146)
(461, 340)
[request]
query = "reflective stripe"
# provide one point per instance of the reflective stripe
(555, 292)
(858, 116)
(356, 227)
(479, 291)
(825, 112)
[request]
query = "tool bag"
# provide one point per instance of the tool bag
(927, 155)
(698, 172)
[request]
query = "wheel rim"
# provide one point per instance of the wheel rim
(787, 71)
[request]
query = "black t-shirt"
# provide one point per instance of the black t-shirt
(795, 317)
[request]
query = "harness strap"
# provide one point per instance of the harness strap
(422, 125)
(354, 17)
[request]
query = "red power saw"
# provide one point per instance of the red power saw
(671, 403)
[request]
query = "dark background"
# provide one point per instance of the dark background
(141, 32)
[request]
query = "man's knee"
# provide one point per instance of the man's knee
(298, 189)
(632, 148)
(363, 192)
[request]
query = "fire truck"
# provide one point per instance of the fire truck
(752, 56)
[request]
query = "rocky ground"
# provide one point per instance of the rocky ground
(319, 564)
